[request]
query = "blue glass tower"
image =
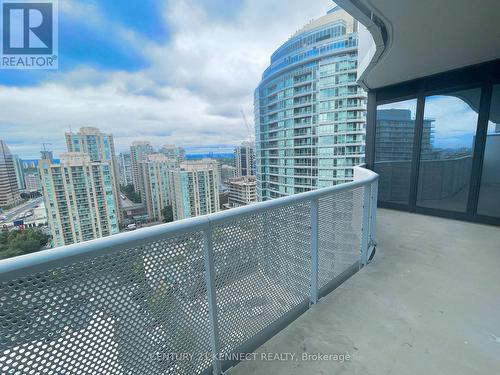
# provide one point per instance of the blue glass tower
(310, 114)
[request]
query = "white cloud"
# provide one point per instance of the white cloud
(115, 106)
(454, 119)
(190, 95)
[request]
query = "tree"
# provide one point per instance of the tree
(20, 242)
(130, 193)
(168, 214)
(30, 195)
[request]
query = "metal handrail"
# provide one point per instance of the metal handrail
(38, 307)
(115, 242)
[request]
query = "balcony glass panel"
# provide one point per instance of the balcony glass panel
(489, 193)
(447, 149)
(393, 149)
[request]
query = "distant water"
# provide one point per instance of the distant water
(213, 155)
(31, 161)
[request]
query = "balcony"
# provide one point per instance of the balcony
(143, 302)
(428, 303)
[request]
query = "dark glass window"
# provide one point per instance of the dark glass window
(489, 193)
(393, 149)
(450, 123)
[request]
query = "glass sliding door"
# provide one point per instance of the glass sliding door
(435, 143)
(489, 193)
(448, 135)
(395, 131)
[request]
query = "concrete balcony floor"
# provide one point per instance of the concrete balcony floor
(429, 303)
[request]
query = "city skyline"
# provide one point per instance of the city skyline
(191, 151)
(81, 193)
(128, 75)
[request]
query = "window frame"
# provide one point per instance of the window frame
(482, 76)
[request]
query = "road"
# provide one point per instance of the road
(126, 203)
(16, 211)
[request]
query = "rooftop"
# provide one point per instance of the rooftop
(332, 16)
(86, 130)
(74, 157)
(201, 164)
(243, 180)
(428, 303)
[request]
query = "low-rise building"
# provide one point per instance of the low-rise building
(242, 191)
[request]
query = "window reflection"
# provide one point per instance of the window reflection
(393, 149)
(447, 149)
(489, 193)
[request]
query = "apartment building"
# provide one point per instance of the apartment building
(194, 188)
(242, 191)
(9, 189)
(139, 152)
(156, 181)
(79, 199)
(310, 114)
(100, 147)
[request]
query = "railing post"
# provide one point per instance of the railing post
(365, 225)
(373, 214)
(314, 252)
(212, 298)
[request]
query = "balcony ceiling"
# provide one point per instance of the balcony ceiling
(426, 37)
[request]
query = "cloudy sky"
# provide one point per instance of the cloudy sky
(167, 71)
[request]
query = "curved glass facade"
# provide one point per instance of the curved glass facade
(310, 114)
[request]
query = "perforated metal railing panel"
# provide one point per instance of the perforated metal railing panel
(144, 309)
(120, 313)
(262, 270)
(340, 218)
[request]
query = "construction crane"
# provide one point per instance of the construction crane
(250, 133)
(43, 146)
(46, 154)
